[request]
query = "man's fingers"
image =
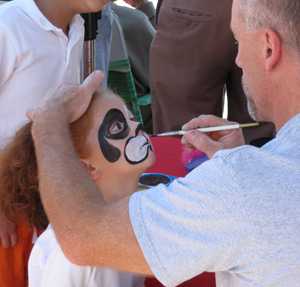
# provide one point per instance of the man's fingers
(195, 138)
(92, 82)
(210, 143)
(201, 142)
(192, 124)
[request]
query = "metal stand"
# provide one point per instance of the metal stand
(88, 63)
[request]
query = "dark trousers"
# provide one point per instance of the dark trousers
(192, 59)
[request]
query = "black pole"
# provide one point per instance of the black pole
(91, 32)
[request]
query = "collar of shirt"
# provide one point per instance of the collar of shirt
(30, 8)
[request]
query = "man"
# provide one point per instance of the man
(194, 39)
(237, 214)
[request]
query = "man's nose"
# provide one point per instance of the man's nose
(238, 60)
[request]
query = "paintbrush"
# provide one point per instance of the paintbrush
(207, 129)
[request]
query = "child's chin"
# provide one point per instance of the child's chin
(151, 159)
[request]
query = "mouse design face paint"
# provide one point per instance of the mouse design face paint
(115, 127)
(137, 148)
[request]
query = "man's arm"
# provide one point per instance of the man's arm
(89, 231)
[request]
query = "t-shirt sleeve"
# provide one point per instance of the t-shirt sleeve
(198, 223)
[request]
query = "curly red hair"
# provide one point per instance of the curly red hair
(19, 186)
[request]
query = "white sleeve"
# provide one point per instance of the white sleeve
(59, 271)
(48, 266)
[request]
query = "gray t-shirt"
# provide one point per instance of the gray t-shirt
(237, 214)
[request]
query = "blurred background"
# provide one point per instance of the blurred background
(121, 2)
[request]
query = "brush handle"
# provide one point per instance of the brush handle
(210, 129)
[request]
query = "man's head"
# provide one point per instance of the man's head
(266, 31)
(282, 16)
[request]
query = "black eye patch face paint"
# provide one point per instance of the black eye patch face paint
(112, 117)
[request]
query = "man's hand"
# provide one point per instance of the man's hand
(211, 142)
(70, 101)
(8, 232)
(136, 3)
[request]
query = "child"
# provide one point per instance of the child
(41, 46)
(114, 149)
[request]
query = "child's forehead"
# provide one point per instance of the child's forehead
(110, 101)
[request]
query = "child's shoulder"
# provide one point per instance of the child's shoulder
(9, 7)
(9, 12)
(13, 19)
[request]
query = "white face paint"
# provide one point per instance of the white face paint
(138, 148)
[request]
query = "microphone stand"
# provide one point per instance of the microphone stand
(88, 62)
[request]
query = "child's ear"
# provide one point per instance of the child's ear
(93, 171)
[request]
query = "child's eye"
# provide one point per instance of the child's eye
(116, 127)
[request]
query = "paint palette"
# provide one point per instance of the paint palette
(152, 179)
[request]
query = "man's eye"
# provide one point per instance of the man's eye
(116, 127)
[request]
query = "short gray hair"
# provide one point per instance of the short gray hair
(283, 16)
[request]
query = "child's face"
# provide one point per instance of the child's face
(119, 144)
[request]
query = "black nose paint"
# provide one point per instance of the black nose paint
(139, 128)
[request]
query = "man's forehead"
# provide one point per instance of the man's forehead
(234, 16)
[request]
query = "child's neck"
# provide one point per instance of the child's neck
(113, 189)
(56, 13)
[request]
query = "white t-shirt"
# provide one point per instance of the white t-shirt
(237, 215)
(35, 56)
(48, 267)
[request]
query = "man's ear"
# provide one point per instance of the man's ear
(93, 171)
(271, 49)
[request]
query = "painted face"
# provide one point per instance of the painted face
(118, 146)
(115, 128)
(114, 149)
